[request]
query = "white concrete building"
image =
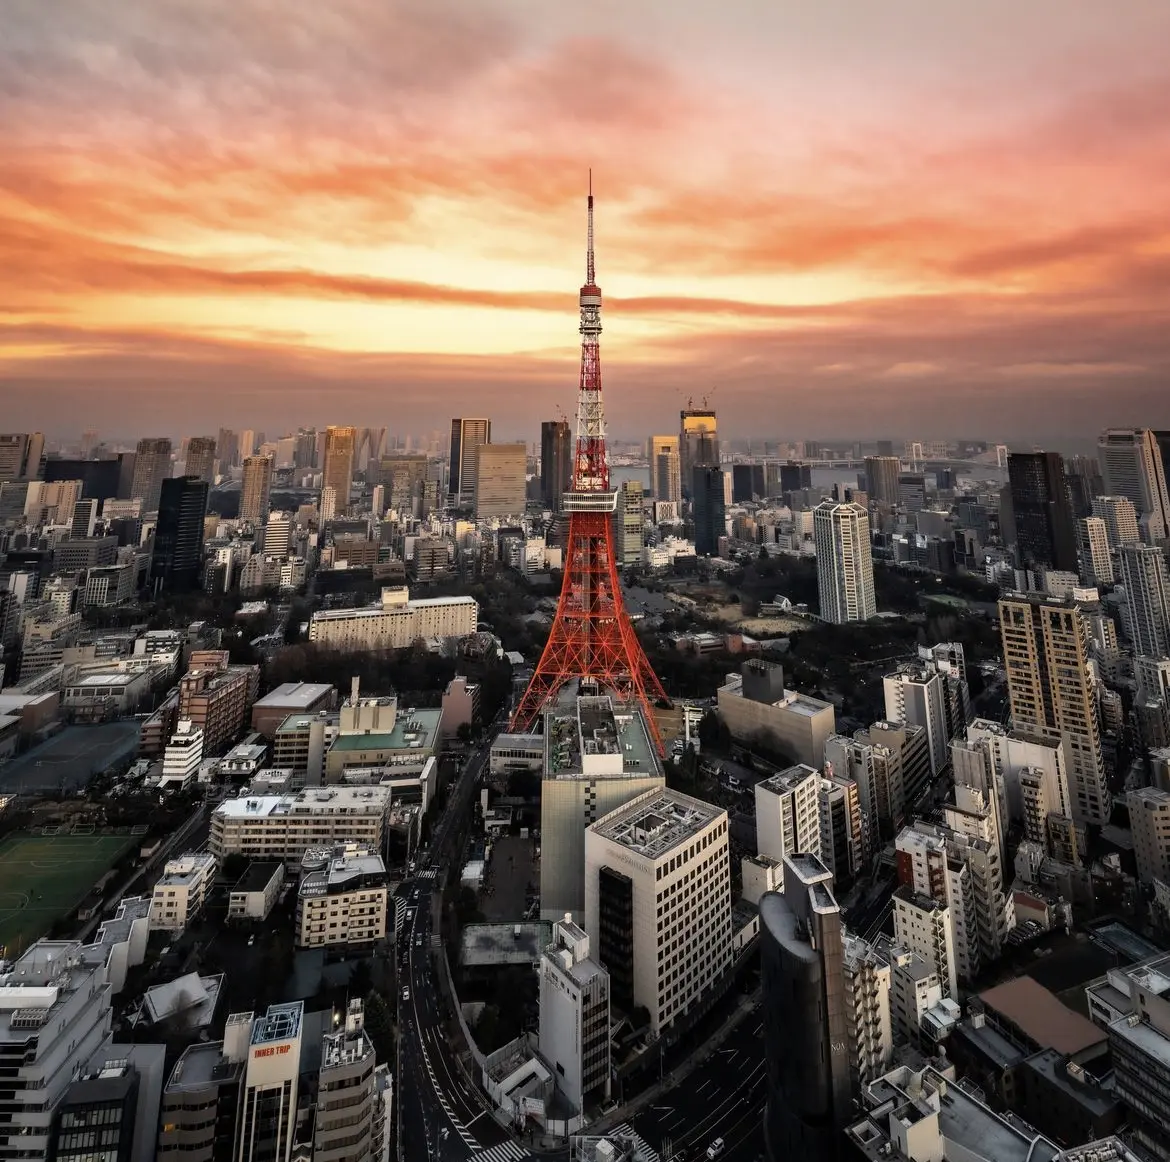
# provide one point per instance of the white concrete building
(281, 827)
(915, 694)
(658, 902)
(182, 757)
(788, 814)
(924, 926)
(342, 898)
(1093, 551)
(915, 989)
(181, 891)
(760, 874)
(1149, 820)
(54, 1015)
(574, 1015)
(1120, 517)
(867, 1009)
(844, 562)
(795, 724)
(266, 1123)
(395, 623)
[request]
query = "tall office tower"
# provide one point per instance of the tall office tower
(1131, 464)
(20, 455)
(1149, 817)
(178, 537)
(574, 1015)
(844, 563)
(1050, 686)
(328, 507)
(916, 693)
(500, 480)
(200, 458)
(591, 638)
(152, 465)
(369, 444)
(806, 1033)
(867, 1010)
(90, 442)
(658, 903)
(246, 443)
(599, 755)
(788, 814)
(844, 843)
(698, 443)
(556, 462)
(665, 468)
(1045, 533)
(268, 1106)
(278, 534)
(350, 1123)
(629, 523)
(466, 436)
(405, 475)
(338, 470)
(256, 490)
(305, 448)
(1120, 517)
(881, 479)
(747, 483)
(1084, 482)
(227, 448)
(710, 511)
(912, 491)
(1093, 550)
(1142, 570)
(84, 518)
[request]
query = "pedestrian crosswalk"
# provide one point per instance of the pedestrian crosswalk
(428, 873)
(504, 1152)
(645, 1152)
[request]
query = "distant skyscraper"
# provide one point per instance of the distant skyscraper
(20, 455)
(1131, 463)
(1045, 533)
(1051, 689)
(556, 462)
(369, 444)
(747, 483)
(881, 479)
(1120, 517)
(178, 537)
(1084, 482)
(806, 1033)
(844, 562)
(499, 476)
(698, 442)
(466, 436)
(328, 508)
(665, 468)
(1093, 548)
(404, 474)
(629, 524)
(152, 465)
(200, 458)
(227, 448)
(1142, 570)
(305, 448)
(338, 469)
(256, 491)
(247, 443)
(710, 511)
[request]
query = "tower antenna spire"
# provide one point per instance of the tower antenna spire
(590, 270)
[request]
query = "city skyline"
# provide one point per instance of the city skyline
(804, 215)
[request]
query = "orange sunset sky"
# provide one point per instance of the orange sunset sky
(836, 217)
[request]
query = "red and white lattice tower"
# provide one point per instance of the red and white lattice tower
(592, 637)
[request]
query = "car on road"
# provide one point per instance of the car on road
(418, 942)
(715, 1149)
(406, 993)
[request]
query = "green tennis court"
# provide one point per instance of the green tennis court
(44, 877)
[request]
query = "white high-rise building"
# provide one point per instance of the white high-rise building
(788, 813)
(923, 926)
(181, 891)
(1149, 819)
(182, 756)
(1142, 571)
(1120, 517)
(844, 562)
(1131, 465)
(266, 1124)
(867, 1009)
(915, 988)
(1093, 550)
(574, 1014)
(658, 902)
(278, 534)
(915, 694)
(844, 847)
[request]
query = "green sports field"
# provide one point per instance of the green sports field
(44, 877)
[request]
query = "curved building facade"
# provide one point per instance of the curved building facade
(806, 1034)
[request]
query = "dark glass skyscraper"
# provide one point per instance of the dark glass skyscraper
(1045, 529)
(178, 537)
(710, 512)
(556, 461)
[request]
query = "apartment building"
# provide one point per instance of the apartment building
(868, 1019)
(181, 891)
(395, 623)
(923, 925)
(218, 699)
(351, 1123)
(281, 827)
(844, 845)
(342, 898)
(788, 813)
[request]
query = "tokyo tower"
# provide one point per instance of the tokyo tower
(592, 637)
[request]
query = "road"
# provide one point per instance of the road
(443, 1117)
(721, 1098)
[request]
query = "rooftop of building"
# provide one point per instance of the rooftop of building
(413, 730)
(1082, 1085)
(107, 678)
(381, 610)
(1111, 1149)
(186, 869)
(1037, 1013)
(295, 695)
(281, 1023)
(788, 779)
(590, 727)
(657, 822)
(192, 995)
(793, 701)
(311, 800)
(492, 945)
(47, 972)
(992, 1045)
(297, 722)
(258, 875)
(202, 1064)
(342, 872)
